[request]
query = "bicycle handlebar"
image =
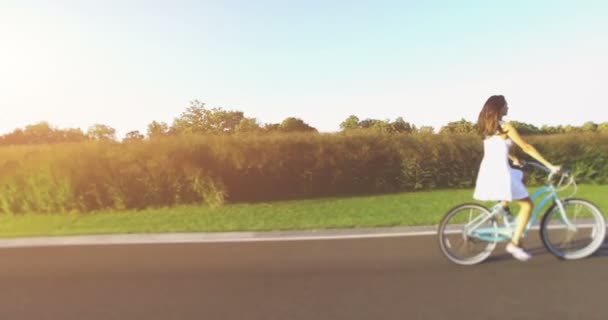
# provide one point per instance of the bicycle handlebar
(565, 174)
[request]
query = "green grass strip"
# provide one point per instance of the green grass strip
(405, 209)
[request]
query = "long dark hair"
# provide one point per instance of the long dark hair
(489, 117)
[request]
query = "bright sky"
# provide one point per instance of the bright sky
(125, 63)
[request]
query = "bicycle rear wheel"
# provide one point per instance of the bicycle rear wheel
(455, 239)
(576, 234)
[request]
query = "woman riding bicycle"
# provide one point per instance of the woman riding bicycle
(496, 180)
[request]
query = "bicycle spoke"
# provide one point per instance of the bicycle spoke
(463, 246)
(575, 232)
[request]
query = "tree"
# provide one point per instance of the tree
(368, 123)
(525, 128)
(248, 125)
(603, 127)
(589, 126)
(42, 133)
(101, 132)
(426, 129)
(133, 136)
(272, 127)
(546, 129)
(15, 137)
(401, 126)
(382, 126)
(462, 126)
(375, 124)
(157, 129)
(292, 124)
(386, 126)
(572, 129)
(352, 122)
(38, 133)
(198, 119)
(72, 135)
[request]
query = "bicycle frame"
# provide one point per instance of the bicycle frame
(469, 232)
(505, 233)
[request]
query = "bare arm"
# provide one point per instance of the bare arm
(516, 161)
(526, 147)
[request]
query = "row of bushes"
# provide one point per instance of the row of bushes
(91, 176)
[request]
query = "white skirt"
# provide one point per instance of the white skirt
(491, 186)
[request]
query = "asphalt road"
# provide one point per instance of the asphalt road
(376, 278)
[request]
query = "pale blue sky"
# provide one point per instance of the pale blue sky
(127, 63)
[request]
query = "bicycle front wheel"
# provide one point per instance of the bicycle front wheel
(575, 232)
(456, 238)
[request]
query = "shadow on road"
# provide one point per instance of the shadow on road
(501, 255)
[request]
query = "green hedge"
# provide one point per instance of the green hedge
(91, 176)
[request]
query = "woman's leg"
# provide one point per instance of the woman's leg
(525, 209)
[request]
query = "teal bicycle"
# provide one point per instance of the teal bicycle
(570, 229)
